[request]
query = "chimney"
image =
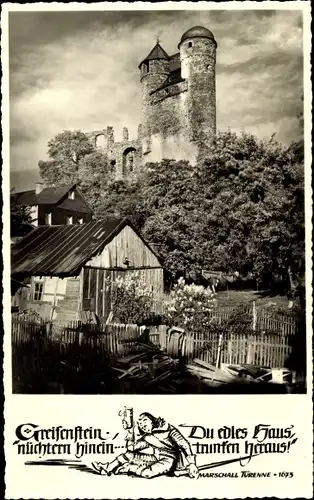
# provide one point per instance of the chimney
(39, 187)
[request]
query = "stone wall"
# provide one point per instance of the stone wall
(180, 117)
(124, 156)
(168, 125)
(176, 119)
(198, 59)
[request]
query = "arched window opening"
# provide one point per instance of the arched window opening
(128, 161)
(190, 44)
(100, 141)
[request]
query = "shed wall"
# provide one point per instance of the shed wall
(125, 245)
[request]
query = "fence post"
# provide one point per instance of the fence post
(219, 351)
(249, 355)
(254, 316)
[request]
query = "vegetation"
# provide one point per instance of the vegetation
(240, 208)
(131, 300)
(190, 307)
(20, 217)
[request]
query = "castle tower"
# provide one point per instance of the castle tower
(154, 71)
(198, 59)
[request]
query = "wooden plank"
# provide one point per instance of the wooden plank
(97, 292)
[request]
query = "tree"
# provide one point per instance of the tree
(240, 208)
(65, 152)
(119, 198)
(168, 200)
(20, 217)
(93, 175)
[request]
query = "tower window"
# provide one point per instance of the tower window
(190, 44)
(71, 195)
(145, 67)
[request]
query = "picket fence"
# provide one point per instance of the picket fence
(33, 343)
(107, 338)
(278, 322)
(267, 350)
(53, 358)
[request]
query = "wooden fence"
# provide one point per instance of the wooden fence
(55, 358)
(106, 337)
(268, 350)
(76, 353)
(265, 321)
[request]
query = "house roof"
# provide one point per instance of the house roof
(156, 53)
(49, 195)
(62, 250)
(79, 205)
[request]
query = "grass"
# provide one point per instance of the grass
(235, 298)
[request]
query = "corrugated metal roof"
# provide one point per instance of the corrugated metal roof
(61, 250)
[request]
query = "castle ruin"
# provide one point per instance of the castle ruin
(178, 105)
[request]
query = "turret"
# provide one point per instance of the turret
(154, 71)
(198, 60)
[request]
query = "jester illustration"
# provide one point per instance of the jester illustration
(155, 448)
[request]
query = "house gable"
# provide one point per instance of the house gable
(57, 196)
(77, 204)
(125, 248)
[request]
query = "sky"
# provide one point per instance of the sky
(78, 70)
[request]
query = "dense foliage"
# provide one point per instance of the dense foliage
(240, 208)
(74, 159)
(190, 307)
(20, 218)
(131, 300)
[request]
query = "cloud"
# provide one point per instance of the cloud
(79, 70)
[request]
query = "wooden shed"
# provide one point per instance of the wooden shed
(70, 269)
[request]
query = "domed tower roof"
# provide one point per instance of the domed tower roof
(156, 53)
(197, 32)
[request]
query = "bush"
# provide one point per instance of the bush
(240, 321)
(31, 315)
(131, 300)
(190, 307)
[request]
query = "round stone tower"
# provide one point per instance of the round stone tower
(198, 60)
(154, 70)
